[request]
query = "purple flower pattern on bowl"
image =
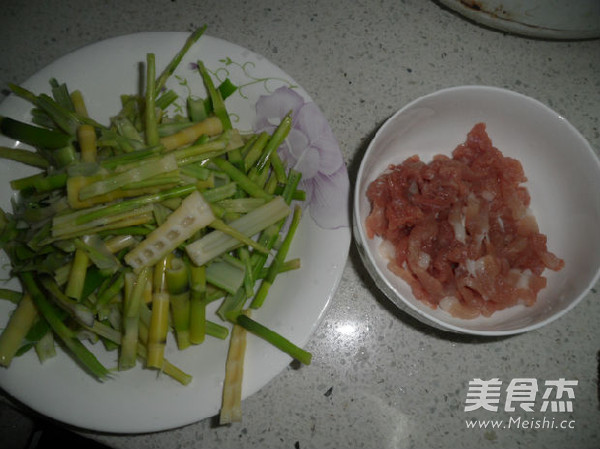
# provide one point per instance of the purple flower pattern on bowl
(312, 149)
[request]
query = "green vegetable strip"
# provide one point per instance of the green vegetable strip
(164, 179)
(278, 168)
(172, 66)
(126, 230)
(232, 304)
(118, 242)
(45, 347)
(114, 162)
(249, 280)
(177, 276)
(33, 135)
(107, 332)
(240, 236)
(114, 285)
(185, 154)
(63, 332)
(216, 330)
(38, 213)
(217, 101)
(241, 205)
(88, 215)
(77, 275)
(98, 253)
(199, 109)
(168, 368)
(219, 109)
(142, 216)
(272, 184)
(64, 229)
(217, 242)
(28, 182)
(134, 290)
(275, 339)
(197, 303)
(271, 234)
(288, 265)
(277, 262)
(157, 332)
(64, 157)
(166, 99)
(24, 156)
(275, 141)
(145, 170)
(243, 181)
(10, 295)
(152, 137)
(40, 182)
(227, 88)
(168, 128)
(256, 150)
(225, 275)
(202, 158)
(18, 325)
(61, 95)
(196, 171)
(179, 296)
(80, 312)
(289, 190)
(63, 118)
(261, 177)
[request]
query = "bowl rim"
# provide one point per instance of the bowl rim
(381, 280)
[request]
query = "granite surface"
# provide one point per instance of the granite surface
(379, 378)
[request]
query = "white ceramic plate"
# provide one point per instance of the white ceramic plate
(138, 400)
(549, 19)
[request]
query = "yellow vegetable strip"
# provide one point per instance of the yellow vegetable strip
(79, 103)
(231, 409)
(193, 214)
(86, 135)
(76, 279)
(159, 321)
(19, 324)
(210, 126)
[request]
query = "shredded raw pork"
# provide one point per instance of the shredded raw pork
(462, 234)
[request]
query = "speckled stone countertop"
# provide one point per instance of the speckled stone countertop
(390, 382)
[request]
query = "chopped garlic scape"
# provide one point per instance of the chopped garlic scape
(193, 214)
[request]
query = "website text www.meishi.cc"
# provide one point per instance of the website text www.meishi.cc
(520, 423)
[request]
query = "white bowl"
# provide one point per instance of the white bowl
(563, 175)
